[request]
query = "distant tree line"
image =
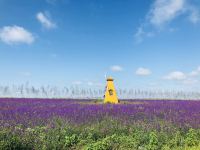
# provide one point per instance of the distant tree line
(28, 91)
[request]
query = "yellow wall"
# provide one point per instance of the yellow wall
(110, 94)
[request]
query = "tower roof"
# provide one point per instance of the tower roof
(110, 79)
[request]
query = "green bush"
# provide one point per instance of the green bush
(108, 134)
(192, 138)
(71, 140)
(153, 141)
(107, 143)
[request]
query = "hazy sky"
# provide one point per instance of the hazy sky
(141, 43)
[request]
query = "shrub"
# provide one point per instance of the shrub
(71, 140)
(192, 138)
(104, 144)
(153, 141)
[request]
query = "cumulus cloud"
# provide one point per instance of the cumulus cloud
(15, 35)
(190, 78)
(162, 12)
(116, 68)
(44, 19)
(176, 75)
(143, 71)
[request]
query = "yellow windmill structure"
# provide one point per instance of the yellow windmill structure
(110, 93)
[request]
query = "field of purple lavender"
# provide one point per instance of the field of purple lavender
(89, 124)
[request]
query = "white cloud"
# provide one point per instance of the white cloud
(45, 21)
(162, 12)
(194, 15)
(184, 78)
(195, 73)
(143, 71)
(176, 75)
(116, 68)
(140, 34)
(15, 35)
(165, 10)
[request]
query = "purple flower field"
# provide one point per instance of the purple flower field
(31, 112)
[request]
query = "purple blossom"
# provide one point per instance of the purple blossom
(29, 112)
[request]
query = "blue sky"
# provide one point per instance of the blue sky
(141, 43)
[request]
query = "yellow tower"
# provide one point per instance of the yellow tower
(110, 94)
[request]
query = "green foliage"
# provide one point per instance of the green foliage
(71, 140)
(192, 138)
(11, 141)
(177, 140)
(128, 142)
(108, 134)
(107, 143)
(152, 141)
